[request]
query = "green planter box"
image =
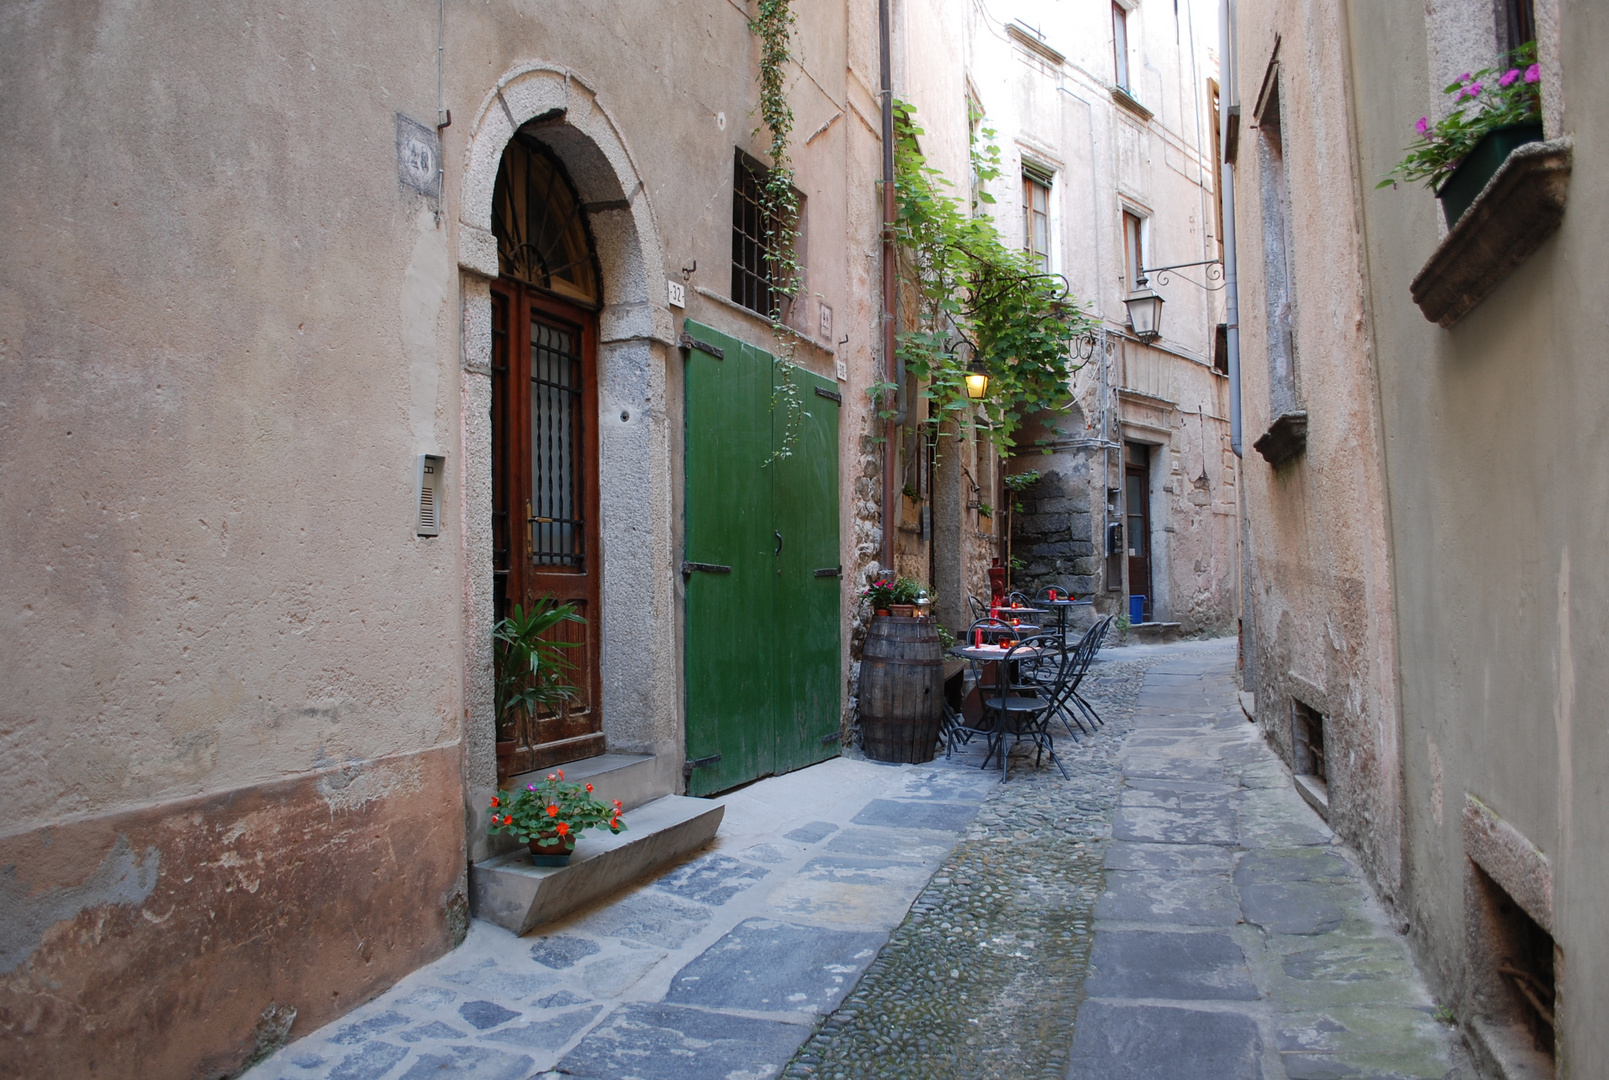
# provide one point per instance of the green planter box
(1483, 161)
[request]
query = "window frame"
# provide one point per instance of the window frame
(1120, 48)
(1037, 181)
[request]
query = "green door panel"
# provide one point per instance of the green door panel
(730, 688)
(807, 606)
(761, 642)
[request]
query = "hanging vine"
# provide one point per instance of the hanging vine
(977, 299)
(779, 205)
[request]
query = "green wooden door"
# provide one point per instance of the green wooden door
(762, 633)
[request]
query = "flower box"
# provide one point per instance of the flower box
(1480, 165)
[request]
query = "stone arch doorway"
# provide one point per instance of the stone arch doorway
(545, 529)
(638, 686)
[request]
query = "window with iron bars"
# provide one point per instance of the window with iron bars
(755, 268)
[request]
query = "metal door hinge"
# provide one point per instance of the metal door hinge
(690, 568)
(699, 763)
(689, 342)
(830, 571)
(828, 740)
(830, 395)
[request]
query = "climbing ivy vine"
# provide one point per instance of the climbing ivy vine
(976, 298)
(779, 204)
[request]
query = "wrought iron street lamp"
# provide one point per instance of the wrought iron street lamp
(1145, 306)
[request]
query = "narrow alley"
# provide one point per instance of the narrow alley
(1173, 909)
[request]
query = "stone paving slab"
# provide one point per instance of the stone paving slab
(718, 967)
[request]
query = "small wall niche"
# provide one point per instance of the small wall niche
(1512, 962)
(1309, 764)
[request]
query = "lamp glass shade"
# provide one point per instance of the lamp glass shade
(977, 384)
(1145, 314)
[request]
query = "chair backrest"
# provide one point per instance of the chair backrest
(992, 628)
(980, 610)
(1029, 650)
(1089, 645)
(1044, 594)
(1018, 599)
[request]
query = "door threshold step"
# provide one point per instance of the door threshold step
(627, 777)
(516, 895)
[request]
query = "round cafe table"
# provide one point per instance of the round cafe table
(1061, 608)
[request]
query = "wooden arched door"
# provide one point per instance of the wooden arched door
(544, 432)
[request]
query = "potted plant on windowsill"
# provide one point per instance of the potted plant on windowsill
(529, 673)
(1494, 110)
(550, 816)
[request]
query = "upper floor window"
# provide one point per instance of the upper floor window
(1133, 248)
(760, 243)
(1120, 47)
(1036, 218)
(1519, 23)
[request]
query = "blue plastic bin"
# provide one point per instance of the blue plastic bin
(1136, 608)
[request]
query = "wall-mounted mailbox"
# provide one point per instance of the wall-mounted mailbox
(429, 473)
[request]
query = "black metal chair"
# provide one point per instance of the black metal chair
(1087, 648)
(979, 609)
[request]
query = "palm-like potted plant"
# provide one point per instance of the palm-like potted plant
(530, 672)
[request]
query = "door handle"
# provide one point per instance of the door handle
(779, 541)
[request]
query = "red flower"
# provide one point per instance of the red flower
(494, 800)
(553, 810)
(564, 828)
(550, 777)
(614, 823)
(589, 788)
(508, 819)
(617, 803)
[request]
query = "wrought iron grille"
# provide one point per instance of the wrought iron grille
(557, 514)
(752, 269)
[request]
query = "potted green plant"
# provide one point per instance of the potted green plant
(529, 672)
(1495, 110)
(549, 816)
(903, 598)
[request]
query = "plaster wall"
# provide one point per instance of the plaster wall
(226, 330)
(1319, 616)
(1496, 519)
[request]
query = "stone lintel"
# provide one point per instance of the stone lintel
(1509, 859)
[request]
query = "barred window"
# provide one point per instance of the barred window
(754, 264)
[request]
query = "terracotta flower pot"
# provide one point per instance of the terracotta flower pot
(903, 611)
(882, 611)
(551, 849)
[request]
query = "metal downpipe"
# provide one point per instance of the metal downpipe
(890, 299)
(1228, 91)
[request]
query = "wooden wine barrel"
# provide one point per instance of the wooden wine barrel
(901, 689)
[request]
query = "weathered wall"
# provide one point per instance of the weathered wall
(1492, 433)
(226, 328)
(1318, 597)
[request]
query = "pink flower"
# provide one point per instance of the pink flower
(1465, 77)
(1472, 90)
(1423, 125)
(1508, 78)
(1533, 73)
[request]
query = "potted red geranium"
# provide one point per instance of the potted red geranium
(549, 816)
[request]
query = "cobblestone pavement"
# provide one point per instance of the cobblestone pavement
(1172, 910)
(1225, 933)
(719, 968)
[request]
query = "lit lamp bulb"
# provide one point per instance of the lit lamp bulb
(977, 382)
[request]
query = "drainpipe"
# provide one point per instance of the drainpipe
(1229, 89)
(890, 372)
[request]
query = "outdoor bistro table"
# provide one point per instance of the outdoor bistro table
(1062, 607)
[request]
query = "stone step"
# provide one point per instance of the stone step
(1153, 633)
(509, 891)
(631, 778)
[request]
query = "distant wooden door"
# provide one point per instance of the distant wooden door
(1137, 496)
(545, 495)
(761, 569)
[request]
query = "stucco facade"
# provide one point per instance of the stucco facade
(1427, 575)
(248, 710)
